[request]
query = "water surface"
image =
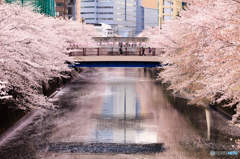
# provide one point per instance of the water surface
(122, 113)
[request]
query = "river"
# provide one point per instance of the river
(122, 113)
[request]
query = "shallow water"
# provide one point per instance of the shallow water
(122, 113)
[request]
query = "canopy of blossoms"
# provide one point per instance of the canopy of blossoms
(31, 46)
(203, 44)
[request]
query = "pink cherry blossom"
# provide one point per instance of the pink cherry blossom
(31, 52)
(203, 46)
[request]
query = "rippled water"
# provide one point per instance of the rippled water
(122, 113)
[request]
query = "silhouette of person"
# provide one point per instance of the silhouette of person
(143, 50)
(120, 49)
(149, 50)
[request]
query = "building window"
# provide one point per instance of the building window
(104, 12)
(120, 8)
(131, 21)
(59, 4)
(167, 17)
(88, 7)
(70, 2)
(89, 18)
(58, 13)
(104, 0)
(184, 3)
(104, 18)
(87, 0)
(69, 10)
(87, 12)
(104, 6)
(120, 19)
(167, 10)
(167, 3)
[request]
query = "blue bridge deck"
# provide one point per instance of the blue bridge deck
(116, 64)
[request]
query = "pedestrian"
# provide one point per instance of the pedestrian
(149, 50)
(120, 49)
(143, 50)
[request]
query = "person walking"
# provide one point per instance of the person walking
(120, 49)
(149, 50)
(143, 50)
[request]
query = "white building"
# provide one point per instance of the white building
(104, 30)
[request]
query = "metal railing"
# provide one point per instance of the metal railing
(111, 51)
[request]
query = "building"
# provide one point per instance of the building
(104, 30)
(61, 8)
(168, 10)
(78, 11)
(46, 7)
(66, 8)
(147, 14)
(71, 12)
(150, 3)
(120, 14)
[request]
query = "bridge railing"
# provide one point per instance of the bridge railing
(111, 51)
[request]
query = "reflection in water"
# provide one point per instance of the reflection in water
(122, 113)
(121, 119)
(208, 123)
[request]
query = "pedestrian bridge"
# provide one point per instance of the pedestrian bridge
(111, 57)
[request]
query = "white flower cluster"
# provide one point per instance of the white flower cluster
(3, 94)
(238, 143)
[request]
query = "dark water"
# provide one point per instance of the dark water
(122, 113)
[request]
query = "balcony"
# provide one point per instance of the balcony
(71, 2)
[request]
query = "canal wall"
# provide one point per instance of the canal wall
(11, 119)
(16, 124)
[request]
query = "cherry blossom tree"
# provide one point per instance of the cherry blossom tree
(204, 47)
(31, 46)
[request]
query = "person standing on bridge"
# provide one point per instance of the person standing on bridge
(120, 49)
(143, 50)
(149, 50)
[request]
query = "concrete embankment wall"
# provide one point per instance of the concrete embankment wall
(15, 125)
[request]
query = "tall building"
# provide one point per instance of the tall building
(150, 3)
(168, 10)
(46, 7)
(147, 14)
(120, 14)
